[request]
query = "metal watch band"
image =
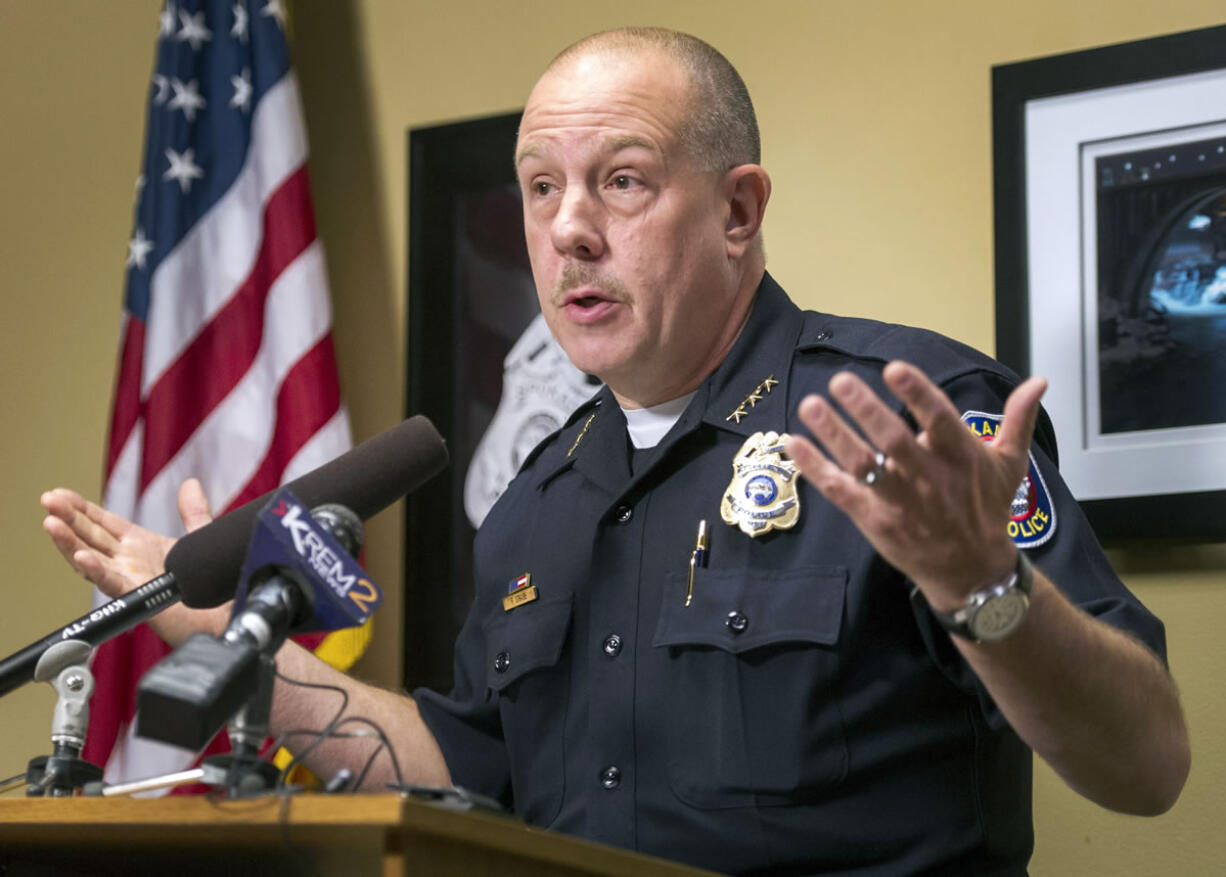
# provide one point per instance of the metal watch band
(1016, 586)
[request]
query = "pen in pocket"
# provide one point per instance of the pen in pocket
(698, 557)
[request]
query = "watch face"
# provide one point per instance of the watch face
(999, 616)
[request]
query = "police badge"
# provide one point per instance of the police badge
(762, 494)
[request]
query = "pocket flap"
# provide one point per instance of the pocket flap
(738, 610)
(524, 639)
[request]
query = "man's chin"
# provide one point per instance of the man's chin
(598, 363)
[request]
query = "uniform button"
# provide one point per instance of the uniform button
(612, 645)
(624, 514)
(502, 661)
(737, 622)
(821, 336)
(611, 777)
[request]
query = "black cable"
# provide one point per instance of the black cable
(385, 744)
(329, 731)
(321, 736)
(357, 784)
(380, 735)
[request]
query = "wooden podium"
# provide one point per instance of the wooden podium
(300, 835)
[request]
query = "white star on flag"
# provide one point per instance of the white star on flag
(138, 248)
(163, 89)
(187, 98)
(274, 9)
(242, 90)
(239, 30)
(183, 168)
(193, 30)
(140, 187)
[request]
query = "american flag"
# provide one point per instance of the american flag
(226, 369)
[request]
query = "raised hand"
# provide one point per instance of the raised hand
(936, 504)
(117, 555)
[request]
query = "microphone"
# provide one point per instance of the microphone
(203, 566)
(367, 480)
(298, 577)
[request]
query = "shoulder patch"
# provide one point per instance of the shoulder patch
(1032, 516)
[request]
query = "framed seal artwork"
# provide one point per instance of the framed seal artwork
(1110, 203)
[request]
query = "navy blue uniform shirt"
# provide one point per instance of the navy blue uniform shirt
(805, 714)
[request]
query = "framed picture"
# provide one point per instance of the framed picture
(470, 298)
(1110, 207)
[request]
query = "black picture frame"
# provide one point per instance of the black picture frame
(462, 201)
(1135, 483)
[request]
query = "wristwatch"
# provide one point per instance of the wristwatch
(993, 613)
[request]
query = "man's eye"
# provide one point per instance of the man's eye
(541, 188)
(621, 181)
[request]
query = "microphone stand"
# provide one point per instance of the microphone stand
(245, 772)
(240, 772)
(61, 774)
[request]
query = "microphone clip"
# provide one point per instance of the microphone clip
(59, 775)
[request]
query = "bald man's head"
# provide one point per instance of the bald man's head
(721, 129)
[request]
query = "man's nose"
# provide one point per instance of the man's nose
(576, 227)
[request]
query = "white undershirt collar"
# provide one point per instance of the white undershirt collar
(648, 425)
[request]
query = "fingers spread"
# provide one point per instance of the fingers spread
(845, 447)
(828, 476)
(65, 541)
(1021, 412)
(935, 414)
(811, 462)
(85, 561)
(93, 525)
(884, 429)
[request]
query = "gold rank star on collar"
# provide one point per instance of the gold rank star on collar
(754, 397)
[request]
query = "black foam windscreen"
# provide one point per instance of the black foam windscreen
(366, 479)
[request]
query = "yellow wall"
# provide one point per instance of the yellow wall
(876, 122)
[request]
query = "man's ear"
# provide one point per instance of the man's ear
(747, 188)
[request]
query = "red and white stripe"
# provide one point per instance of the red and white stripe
(233, 380)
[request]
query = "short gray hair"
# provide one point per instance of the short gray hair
(722, 129)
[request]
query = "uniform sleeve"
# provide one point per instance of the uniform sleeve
(1070, 556)
(466, 723)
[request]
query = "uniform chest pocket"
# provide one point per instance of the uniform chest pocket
(753, 667)
(524, 639)
(531, 682)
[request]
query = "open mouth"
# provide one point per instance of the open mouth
(587, 307)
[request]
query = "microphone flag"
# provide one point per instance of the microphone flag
(288, 541)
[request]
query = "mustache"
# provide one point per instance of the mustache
(575, 276)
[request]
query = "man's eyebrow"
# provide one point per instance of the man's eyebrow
(528, 151)
(629, 141)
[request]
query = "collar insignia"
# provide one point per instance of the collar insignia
(753, 398)
(583, 431)
(762, 494)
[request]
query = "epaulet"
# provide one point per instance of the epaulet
(940, 357)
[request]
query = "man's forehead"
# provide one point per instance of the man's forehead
(607, 101)
(536, 146)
